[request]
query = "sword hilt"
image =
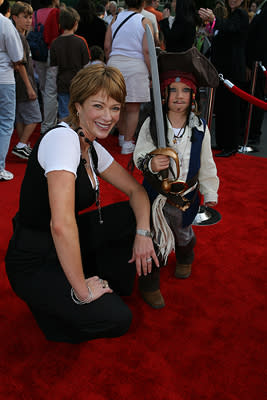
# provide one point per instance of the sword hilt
(169, 152)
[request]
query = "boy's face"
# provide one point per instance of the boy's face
(179, 97)
(23, 22)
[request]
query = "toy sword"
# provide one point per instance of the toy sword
(162, 149)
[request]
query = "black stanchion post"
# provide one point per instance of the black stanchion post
(245, 148)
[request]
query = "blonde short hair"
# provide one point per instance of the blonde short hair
(89, 81)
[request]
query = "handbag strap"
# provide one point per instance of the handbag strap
(122, 23)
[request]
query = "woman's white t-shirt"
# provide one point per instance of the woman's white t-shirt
(60, 150)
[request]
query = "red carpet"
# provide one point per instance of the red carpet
(208, 343)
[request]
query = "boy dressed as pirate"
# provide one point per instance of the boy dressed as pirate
(176, 175)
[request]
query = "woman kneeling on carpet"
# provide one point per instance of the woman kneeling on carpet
(70, 268)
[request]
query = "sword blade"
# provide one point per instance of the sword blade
(156, 88)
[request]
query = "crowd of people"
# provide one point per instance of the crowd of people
(94, 79)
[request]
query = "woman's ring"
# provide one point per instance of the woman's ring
(105, 284)
(149, 259)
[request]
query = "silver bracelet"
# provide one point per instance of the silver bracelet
(143, 232)
(80, 302)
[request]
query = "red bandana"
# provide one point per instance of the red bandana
(166, 78)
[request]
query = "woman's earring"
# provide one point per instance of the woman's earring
(77, 114)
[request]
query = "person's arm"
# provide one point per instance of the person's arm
(13, 43)
(85, 52)
(51, 27)
(208, 179)
(61, 190)
(237, 22)
(143, 247)
(145, 44)
(108, 42)
(23, 73)
(144, 145)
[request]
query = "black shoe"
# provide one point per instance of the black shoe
(23, 152)
(226, 153)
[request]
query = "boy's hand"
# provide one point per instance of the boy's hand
(31, 93)
(159, 163)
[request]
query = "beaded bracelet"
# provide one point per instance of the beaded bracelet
(80, 302)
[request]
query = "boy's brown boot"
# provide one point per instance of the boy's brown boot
(182, 271)
(154, 299)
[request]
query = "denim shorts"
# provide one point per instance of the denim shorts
(28, 112)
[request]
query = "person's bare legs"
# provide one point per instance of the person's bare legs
(24, 131)
(128, 124)
(22, 149)
(131, 120)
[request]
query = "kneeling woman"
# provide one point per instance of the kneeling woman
(70, 269)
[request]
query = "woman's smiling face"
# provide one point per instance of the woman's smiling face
(98, 115)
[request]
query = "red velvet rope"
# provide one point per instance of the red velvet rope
(246, 96)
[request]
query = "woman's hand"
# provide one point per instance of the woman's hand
(143, 253)
(206, 14)
(159, 163)
(98, 287)
(143, 248)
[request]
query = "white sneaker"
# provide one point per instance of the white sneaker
(121, 140)
(5, 175)
(127, 147)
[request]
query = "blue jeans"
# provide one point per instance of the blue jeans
(63, 102)
(7, 118)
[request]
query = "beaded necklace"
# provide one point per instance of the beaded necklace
(178, 135)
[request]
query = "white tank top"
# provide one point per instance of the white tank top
(129, 39)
